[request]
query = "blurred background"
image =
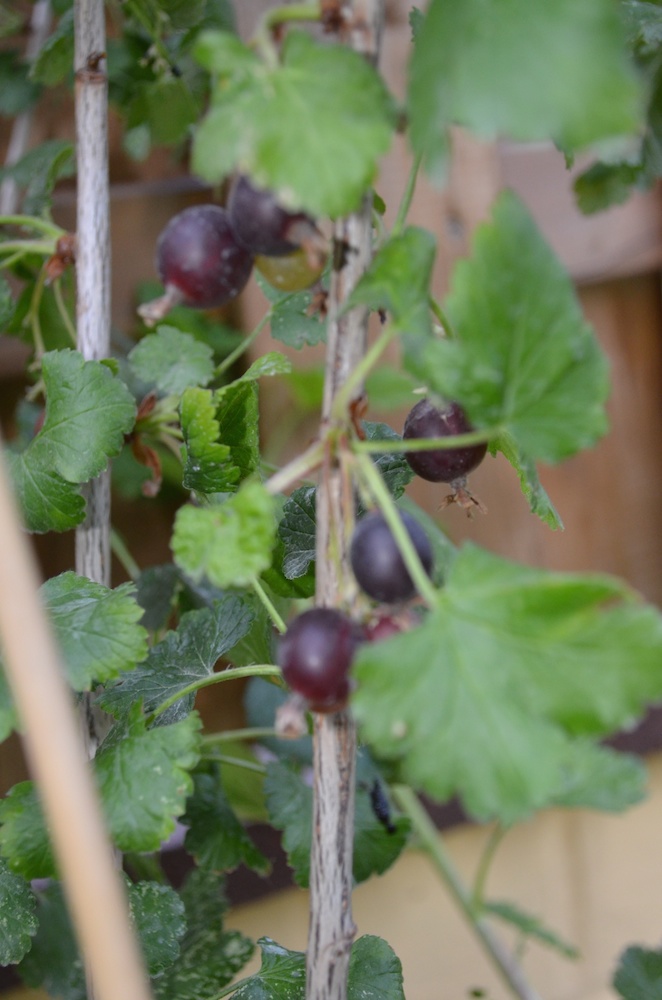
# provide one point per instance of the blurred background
(593, 877)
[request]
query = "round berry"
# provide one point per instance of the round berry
(261, 224)
(376, 559)
(443, 465)
(198, 255)
(291, 272)
(315, 655)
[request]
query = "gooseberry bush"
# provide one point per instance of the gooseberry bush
(343, 604)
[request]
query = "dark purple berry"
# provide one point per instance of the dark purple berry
(315, 655)
(261, 224)
(198, 255)
(376, 559)
(443, 465)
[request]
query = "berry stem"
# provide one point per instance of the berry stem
(375, 485)
(297, 469)
(239, 735)
(431, 841)
(268, 604)
(32, 222)
(407, 196)
(241, 348)
(426, 444)
(441, 316)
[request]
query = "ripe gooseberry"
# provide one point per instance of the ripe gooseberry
(442, 465)
(261, 224)
(315, 655)
(377, 562)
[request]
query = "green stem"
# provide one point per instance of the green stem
(64, 312)
(43, 247)
(432, 842)
(376, 486)
(123, 556)
(281, 15)
(441, 316)
(237, 735)
(241, 348)
(232, 988)
(248, 765)
(299, 468)
(427, 444)
(408, 194)
(230, 674)
(269, 605)
(486, 859)
(30, 222)
(360, 371)
(33, 313)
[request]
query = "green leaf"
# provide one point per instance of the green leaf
(143, 779)
(166, 107)
(18, 919)
(24, 839)
(261, 702)
(285, 125)
(210, 956)
(158, 915)
(605, 184)
(375, 973)
(38, 172)
(8, 717)
(639, 974)
(53, 964)
(229, 543)
(394, 467)
(290, 805)
(55, 59)
(97, 629)
(291, 320)
(17, 91)
(156, 593)
(597, 777)
(271, 363)
(215, 837)
(532, 488)
(524, 359)
(172, 360)
(297, 532)
(220, 436)
(6, 302)
(398, 280)
(470, 59)
(529, 926)
(510, 664)
(88, 412)
(183, 657)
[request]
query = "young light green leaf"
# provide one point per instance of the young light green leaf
(639, 974)
(181, 658)
(290, 805)
(271, 363)
(284, 125)
(172, 361)
(88, 412)
(524, 359)
(215, 838)
(53, 963)
(97, 629)
(529, 926)
(18, 918)
(208, 466)
(292, 322)
(509, 666)
(158, 915)
(580, 86)
(398, 280)
(229, 543)
(210, 956)
(297, 532)
(238, 423)
(143, 778)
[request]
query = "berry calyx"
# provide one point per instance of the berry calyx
(443, 465)
(263, 226)
(377, 562)
(315, 655)
(200, 262)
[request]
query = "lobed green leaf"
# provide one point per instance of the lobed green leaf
(18, 918)
(172, 360)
